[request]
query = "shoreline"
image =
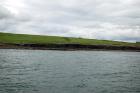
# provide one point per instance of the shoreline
(69, 47)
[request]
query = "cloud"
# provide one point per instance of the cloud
(100, 19)
(4, 13)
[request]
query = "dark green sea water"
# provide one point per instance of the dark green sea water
(44, 71)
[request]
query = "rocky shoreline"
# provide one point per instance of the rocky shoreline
(68, 47)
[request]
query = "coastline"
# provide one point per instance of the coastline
(69, 47)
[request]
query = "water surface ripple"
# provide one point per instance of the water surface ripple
(39, 71)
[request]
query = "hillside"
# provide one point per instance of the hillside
(35, 40)
(38, 39)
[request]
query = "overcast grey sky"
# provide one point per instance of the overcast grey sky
(100, 19)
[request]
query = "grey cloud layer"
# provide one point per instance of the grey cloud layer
(101, 19)
(4, 13)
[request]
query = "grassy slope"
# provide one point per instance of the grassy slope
(37, 39)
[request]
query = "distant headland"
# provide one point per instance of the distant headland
(24, 41)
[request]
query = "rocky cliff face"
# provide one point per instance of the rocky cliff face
(69, 47)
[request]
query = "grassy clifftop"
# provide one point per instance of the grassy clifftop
(38, 39)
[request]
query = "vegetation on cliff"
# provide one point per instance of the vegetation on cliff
(39, 39)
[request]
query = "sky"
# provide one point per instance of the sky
(117, 20)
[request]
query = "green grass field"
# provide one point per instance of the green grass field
(38, 39)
